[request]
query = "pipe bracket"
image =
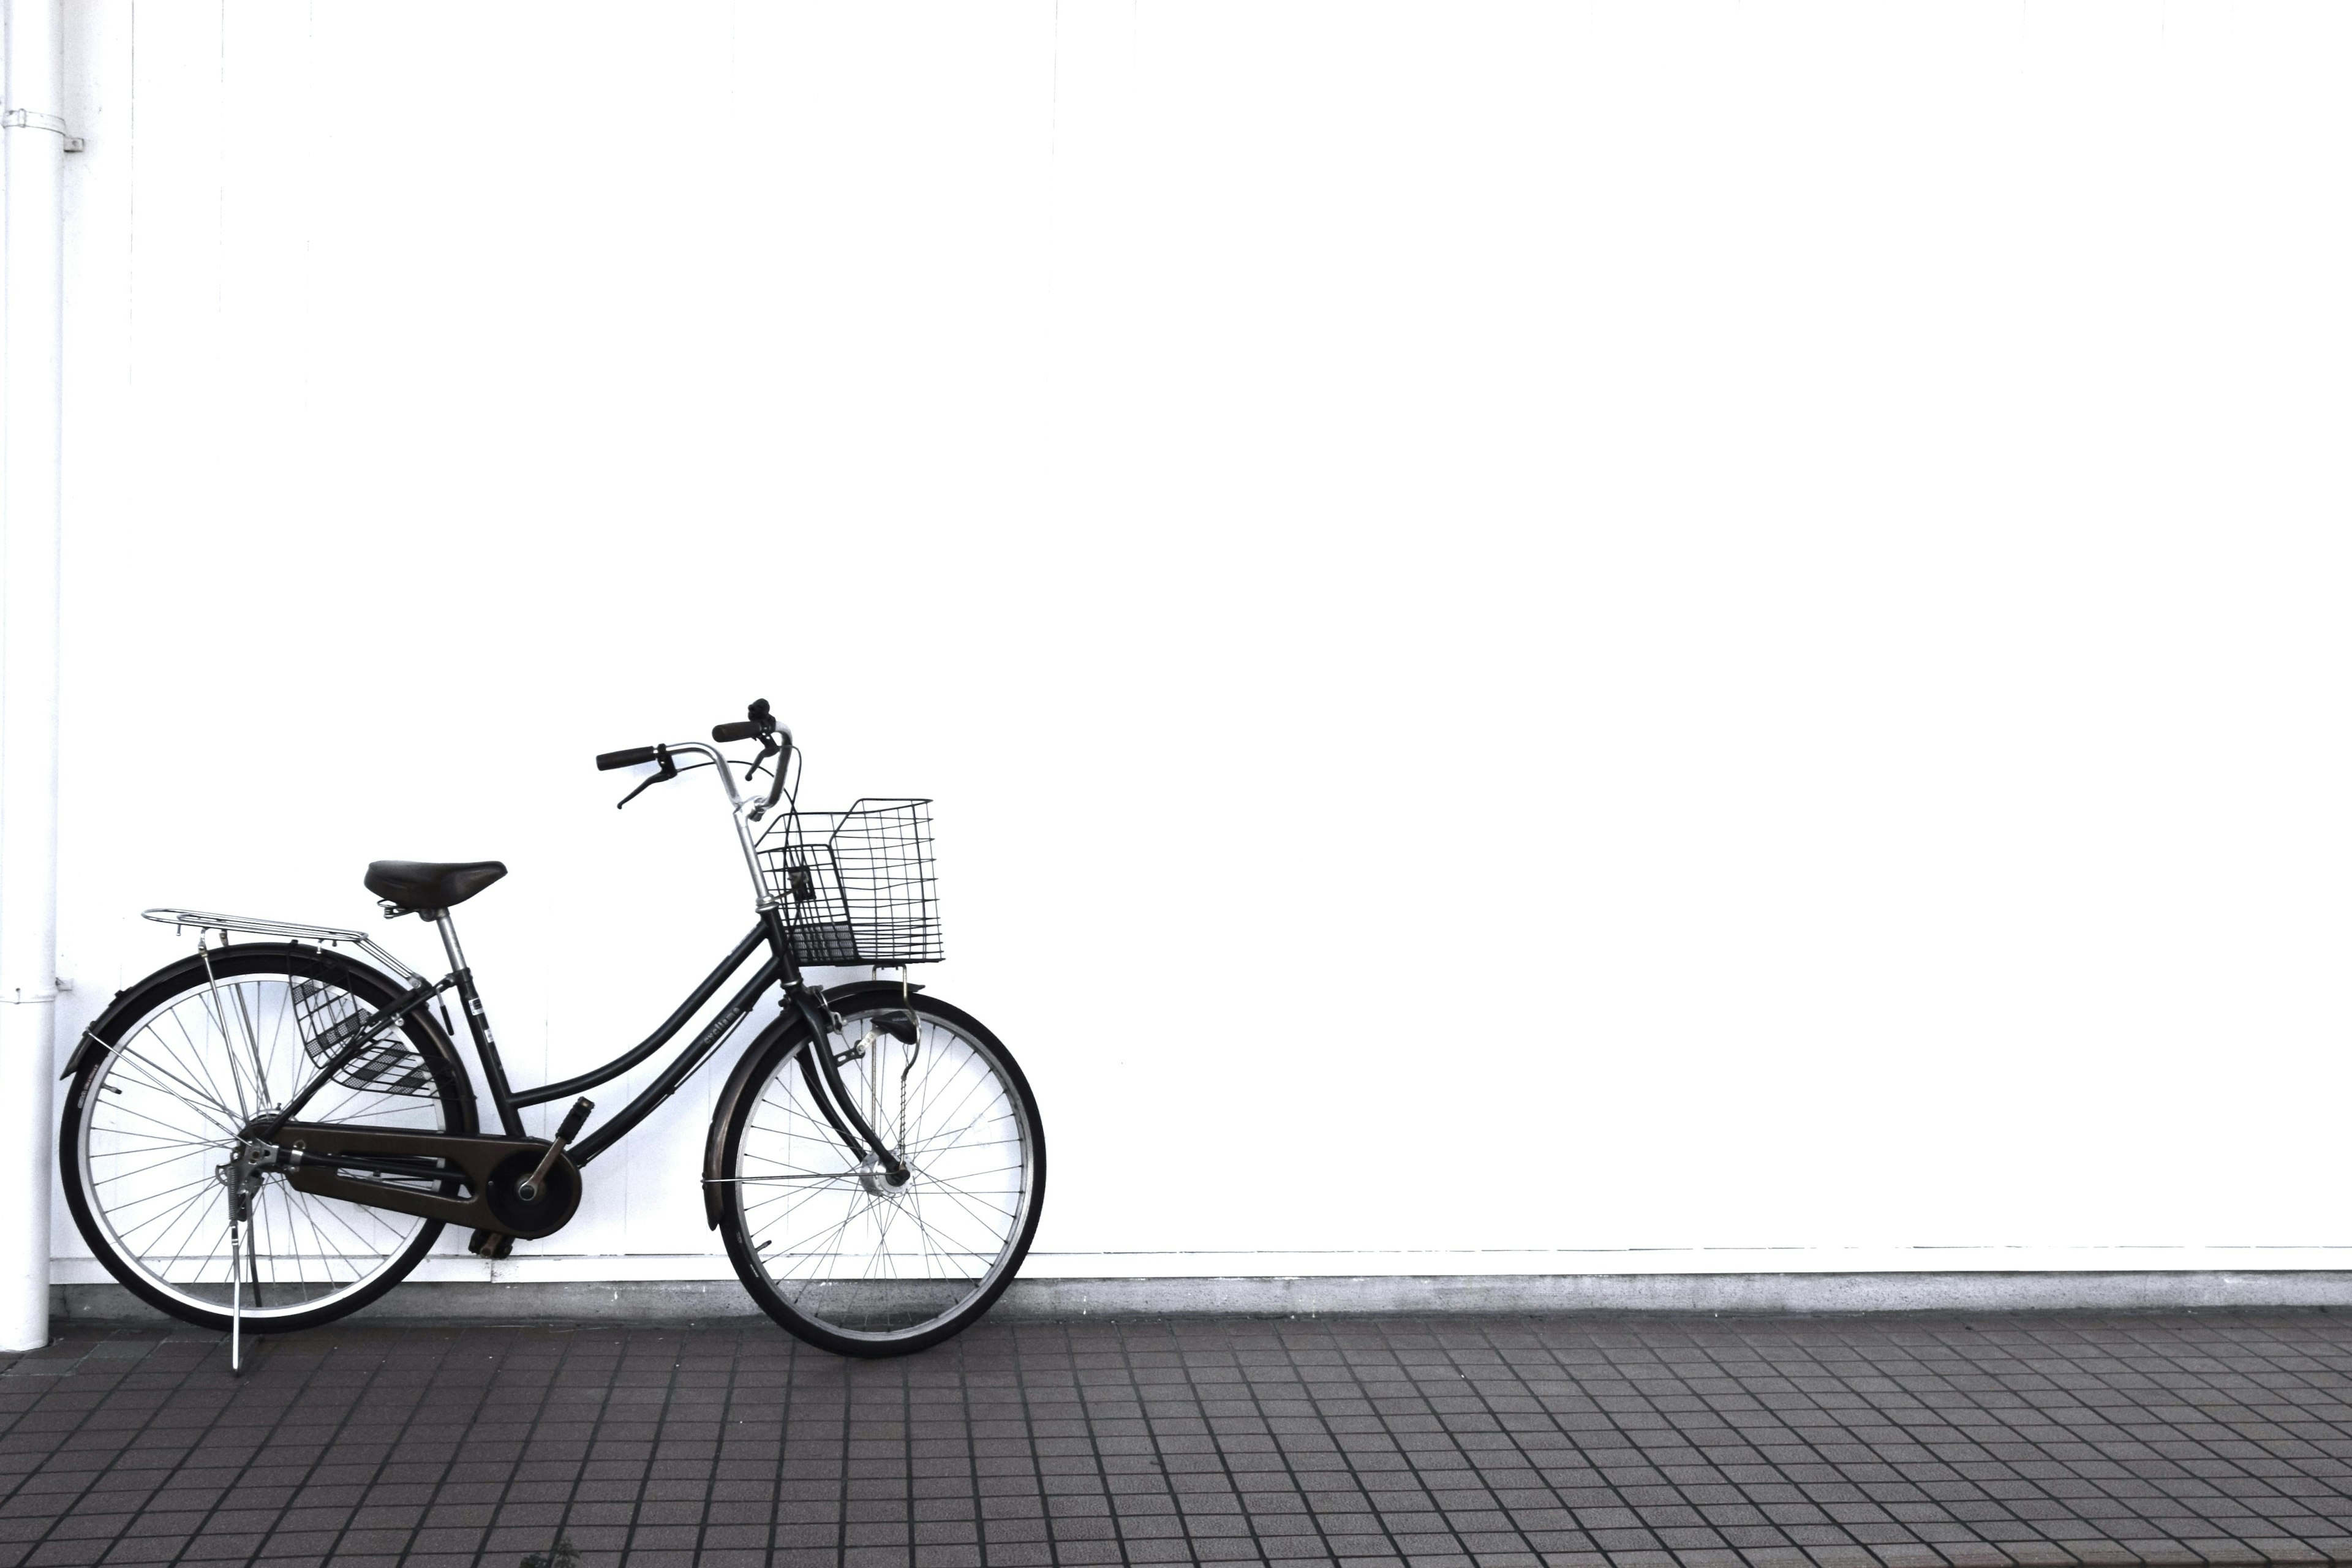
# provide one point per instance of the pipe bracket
(34, 120)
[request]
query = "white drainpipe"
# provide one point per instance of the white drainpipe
(31, 391)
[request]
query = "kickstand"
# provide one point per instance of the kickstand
(240, 1217)
(237, 1299)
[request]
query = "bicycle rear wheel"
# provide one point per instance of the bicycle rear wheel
(823, 1242)
(196, 1052)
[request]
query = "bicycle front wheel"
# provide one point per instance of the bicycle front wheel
(197, 1055)
(823, 1241)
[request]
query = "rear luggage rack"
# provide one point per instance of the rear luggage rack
(204, 921)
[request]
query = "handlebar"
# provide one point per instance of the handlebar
(775, 740)
(775, 750)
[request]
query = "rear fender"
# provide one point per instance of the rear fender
(105, 1031)
(134, 1002)
(99, 1036)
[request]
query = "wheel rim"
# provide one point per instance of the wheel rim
(838, 1244)
(161, 1120)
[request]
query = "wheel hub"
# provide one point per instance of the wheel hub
(876, 1179)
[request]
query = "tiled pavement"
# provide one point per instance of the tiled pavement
(1831, 1441)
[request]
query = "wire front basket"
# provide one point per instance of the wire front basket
(857, 886)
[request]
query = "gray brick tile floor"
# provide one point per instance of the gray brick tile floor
(1665, 1442)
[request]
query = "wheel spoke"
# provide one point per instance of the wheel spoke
(162, 1079)
(163, 1116)
(877, 1263)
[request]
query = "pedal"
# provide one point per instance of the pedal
(490, 1246)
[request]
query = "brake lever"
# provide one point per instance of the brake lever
(768, 747)
(668, 770)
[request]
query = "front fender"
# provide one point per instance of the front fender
(841, 998)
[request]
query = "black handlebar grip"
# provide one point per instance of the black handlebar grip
(756, 724)
(607, 760)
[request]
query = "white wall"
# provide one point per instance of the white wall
(1539, 629)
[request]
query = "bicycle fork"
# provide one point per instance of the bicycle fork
(839, 1105)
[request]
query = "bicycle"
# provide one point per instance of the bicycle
(269, 1135)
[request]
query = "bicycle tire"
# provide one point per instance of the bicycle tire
(967, 1127)
(155, 1077)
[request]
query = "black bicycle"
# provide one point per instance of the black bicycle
(271, 1134)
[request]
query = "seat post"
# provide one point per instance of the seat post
(448, 929)
(486, 1045)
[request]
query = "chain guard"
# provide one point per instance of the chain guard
(369, 1165)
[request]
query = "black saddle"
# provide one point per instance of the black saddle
(431, 884)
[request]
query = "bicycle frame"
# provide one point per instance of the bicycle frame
(779, 967)
(509, 1102)
(848, 1123)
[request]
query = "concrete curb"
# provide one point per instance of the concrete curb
(694, 1300)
